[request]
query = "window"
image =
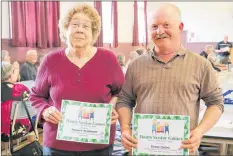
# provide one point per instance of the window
(106, 22)
(141, 23)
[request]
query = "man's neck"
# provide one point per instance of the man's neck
(30, 62)
(166, 54)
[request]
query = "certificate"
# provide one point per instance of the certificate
(160, 134)
(85, 122)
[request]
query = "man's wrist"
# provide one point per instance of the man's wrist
(125, 127)
(200, 130)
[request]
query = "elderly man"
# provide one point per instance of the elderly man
(223, 50)
(28, 69)
(170, 80)
(211, 56)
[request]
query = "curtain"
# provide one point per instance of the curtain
(135, 25)
(115, 24)
(146, 26)
(35, 24)
(98, 7)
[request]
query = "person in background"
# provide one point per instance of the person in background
(6, 59)
(10, 92)
(132, 56)
(28, 69)
(170, 80)
(121, 60)
(211, 56)
(80, 72)
(40, 58)
(140, 51)
(223, 51)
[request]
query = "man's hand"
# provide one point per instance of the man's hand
(52, 114)
(194, 141)
(127, 140)
(114, 116)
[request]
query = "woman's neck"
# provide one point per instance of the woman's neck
(80, 52)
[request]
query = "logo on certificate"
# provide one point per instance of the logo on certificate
(160, 127)
(86, 115)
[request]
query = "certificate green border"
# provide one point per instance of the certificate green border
(85, 140)
(137, 116)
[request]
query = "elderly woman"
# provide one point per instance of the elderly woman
(10, 91)
(81, 72)
(6, 59)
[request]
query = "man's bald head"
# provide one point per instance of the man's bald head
(225, 38)
(168, 9)
(31, 56)
(166, 27)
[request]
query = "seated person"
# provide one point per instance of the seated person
(121, 60)
(12, 92)
(28, 69)
(140, 51)
(132, 56)
(211, 56)
(223, 51)
(6, 59)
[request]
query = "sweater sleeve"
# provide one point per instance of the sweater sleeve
(40, 92)
(117, 77)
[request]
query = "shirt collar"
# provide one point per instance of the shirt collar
(181, 51)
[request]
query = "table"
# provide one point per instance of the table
(221, 136)
(222, 132)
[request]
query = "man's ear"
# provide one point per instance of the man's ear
(181, 26)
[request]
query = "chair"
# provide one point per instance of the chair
(18, 112)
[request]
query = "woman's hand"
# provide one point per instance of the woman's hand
(16, 65)
(52, 114)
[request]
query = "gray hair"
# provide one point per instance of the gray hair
(7, 71)
(133, 55)
(209, 47)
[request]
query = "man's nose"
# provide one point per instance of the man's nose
(160, 30)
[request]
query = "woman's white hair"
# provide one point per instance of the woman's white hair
(7, 71)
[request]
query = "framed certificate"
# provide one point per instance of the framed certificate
(160, 134)
(85, 122)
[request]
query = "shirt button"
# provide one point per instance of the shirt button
(78, 80)
(78, 74)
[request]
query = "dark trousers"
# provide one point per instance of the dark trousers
(50, 151)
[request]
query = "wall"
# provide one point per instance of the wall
(5, 20)
(209, 20)
(204, 18)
